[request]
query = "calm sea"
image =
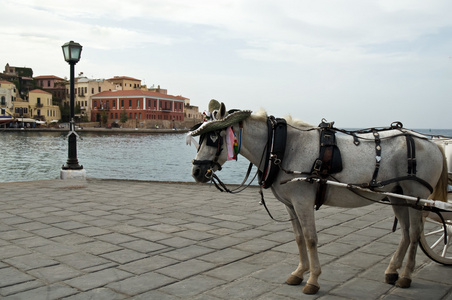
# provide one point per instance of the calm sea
(29, 155)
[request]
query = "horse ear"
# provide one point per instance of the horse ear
(222, 110)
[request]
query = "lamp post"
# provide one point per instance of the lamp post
(72, 52)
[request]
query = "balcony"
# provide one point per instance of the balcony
(39, 105)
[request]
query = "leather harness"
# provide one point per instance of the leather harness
(276, 146)
(330, 160)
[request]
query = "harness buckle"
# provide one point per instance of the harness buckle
(318, 165)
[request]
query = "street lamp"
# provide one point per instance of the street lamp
(72, 52)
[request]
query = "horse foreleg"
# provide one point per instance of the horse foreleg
(296, 276)
(416, 228)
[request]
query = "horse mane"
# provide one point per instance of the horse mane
(261, 115)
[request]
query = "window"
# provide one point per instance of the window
(138, 103)
(95, 104)
(114, 104)
(98, 89)
(130, 103)
(86, 89)
(122, 103)
(92, 90)
(3, 102)
(48, 82)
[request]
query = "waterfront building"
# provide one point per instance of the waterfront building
(22, 77)
(144, 109)
(84, 88)
(40, 107)
(54, 85)
(126, 83)
(192, 115)
(8, 94)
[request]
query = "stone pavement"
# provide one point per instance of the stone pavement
(110, 239)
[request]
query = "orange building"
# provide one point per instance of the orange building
(148, 108)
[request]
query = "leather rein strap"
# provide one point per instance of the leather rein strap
(276, 146)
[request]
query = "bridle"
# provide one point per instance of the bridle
(213, 139)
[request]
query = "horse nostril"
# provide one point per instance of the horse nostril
(196, 172)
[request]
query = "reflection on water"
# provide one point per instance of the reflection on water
(133, 156)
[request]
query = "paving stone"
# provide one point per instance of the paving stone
(188, 252)
(82, 260)
(51, 232)
(54, 291)
(225, 256)
(15, 234)
(55, 273)
(144, 246)
(192, 286)
(98, 294)
(246, 288)
(234, 271)
(124, 256)
(56, 249)
(20, 288)
(140, 284)
(186, 268)
(361, 288)
(99, 247)
(31, 261)
(148, 264)
(98, 279)
(10, 276)
(8, 251)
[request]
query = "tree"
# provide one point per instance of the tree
(123, 116)
(104, 117)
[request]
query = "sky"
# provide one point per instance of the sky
(356, 62)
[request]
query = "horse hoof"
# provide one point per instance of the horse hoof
(294, 280)
(391, 278)
(310, 289)
(403, 282)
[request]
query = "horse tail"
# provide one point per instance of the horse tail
(440, 190)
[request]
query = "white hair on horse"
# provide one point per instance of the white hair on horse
(261, 115)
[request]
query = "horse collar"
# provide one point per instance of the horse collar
(276, 146)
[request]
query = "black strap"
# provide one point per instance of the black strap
(276, 146)
(411, 154)
(373, 182)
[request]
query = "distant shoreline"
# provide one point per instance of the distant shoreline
(94, 129)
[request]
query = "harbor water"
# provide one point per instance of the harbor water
(36, 155)
(33, 155)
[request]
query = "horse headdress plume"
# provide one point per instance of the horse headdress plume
(218, 118)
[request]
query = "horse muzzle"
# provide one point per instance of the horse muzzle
(202, 170)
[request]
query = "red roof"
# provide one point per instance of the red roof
(48, 77)
(131, 93)
(39, 91)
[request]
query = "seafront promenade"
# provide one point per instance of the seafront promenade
(119, 239)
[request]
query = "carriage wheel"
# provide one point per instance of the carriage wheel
(432, 239)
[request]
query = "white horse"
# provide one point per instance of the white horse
(359, 161)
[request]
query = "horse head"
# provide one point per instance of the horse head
(210, 156)
(212, 141)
